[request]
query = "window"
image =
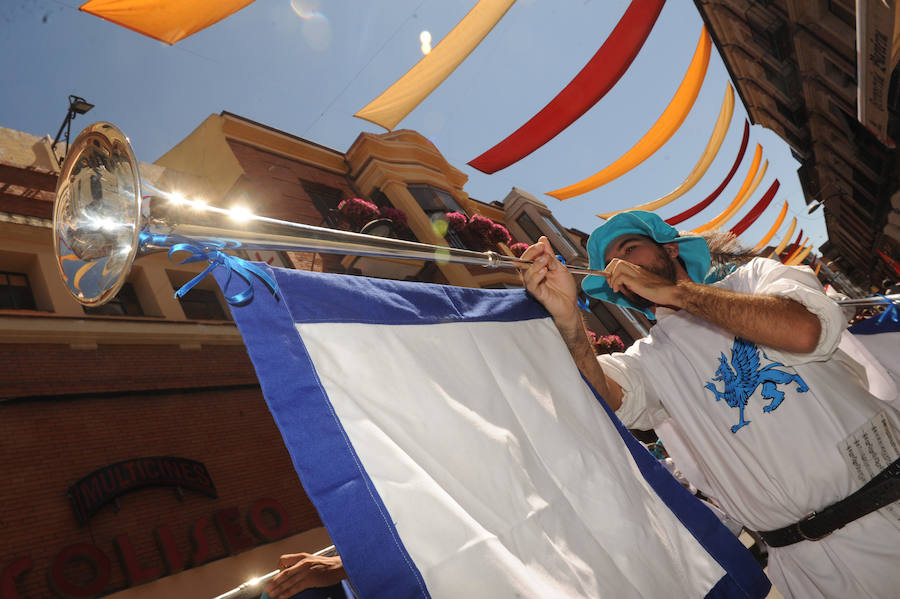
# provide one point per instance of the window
(838, 75)
(533, 231)
(324, 198)
(433, 200)
(124, 304)
(843, 10)
(865, 182)
(15, 291)
(782, 83)
(562, 234)
(774, 39)
(796, 117)
(202, 304)
(529, 226)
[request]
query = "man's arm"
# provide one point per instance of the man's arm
(301, 571)
(776, 322)
(552, 284)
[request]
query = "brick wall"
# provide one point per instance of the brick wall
(275, 184)
(48, 444)
(49, 369)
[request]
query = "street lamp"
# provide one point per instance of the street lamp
(77, 106)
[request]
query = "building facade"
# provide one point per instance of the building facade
(138, 455)
(799, 72)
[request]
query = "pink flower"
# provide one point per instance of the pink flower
(499, 234)
(456, 221)
(480, 226)
(358, 211)
(518, 249)
(396, 215)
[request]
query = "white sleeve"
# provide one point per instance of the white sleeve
(640, 407)
(769, 277)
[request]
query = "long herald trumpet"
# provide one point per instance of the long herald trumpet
(252, 587)
(105, 217)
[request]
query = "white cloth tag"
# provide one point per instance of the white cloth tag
(870, 449)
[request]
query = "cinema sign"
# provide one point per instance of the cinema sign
(100, 487)
(263, 522)
(875, 60)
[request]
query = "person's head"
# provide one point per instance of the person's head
(643, 238)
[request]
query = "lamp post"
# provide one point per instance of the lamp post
(77, 105)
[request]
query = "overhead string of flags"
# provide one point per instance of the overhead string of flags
(172, 21)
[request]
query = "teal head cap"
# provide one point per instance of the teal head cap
(693, 251)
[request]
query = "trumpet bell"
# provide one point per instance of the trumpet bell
(97, 213)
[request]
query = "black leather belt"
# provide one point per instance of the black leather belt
(882, 490)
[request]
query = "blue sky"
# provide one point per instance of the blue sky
(306, 68)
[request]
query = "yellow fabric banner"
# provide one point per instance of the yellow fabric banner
(168, 21)
(397, 101)
(798, 259)
(762, 242)
(740, 198)
(706, 158)
(785, 240)
(669, 122)
(729, 214)
(800, 251)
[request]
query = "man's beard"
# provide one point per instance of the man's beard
(663, 267)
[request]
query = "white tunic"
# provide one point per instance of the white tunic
(779, 465)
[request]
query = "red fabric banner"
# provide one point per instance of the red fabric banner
(790, 251)
(758, 209)
(890, 261)
(597, 77)
(678, 218)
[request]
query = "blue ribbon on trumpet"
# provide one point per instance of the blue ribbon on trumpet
(890, 311)
(232, 264)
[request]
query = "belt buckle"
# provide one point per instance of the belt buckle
(803, 535)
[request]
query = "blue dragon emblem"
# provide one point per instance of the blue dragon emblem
(741, 382)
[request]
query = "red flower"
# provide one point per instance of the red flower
(358, 211)
(499, 234)
(456, 221)
(396, 215)
(480, 226)
(518, 249)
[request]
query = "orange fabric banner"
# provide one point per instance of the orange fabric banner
(168, 21)
(800, 255)
(774, 229)
(791, 260)
(669, 122)
(785, 240)
(406, 93)
(706, 158)
(739, 199)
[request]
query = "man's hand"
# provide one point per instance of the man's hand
(551, 283)
(301, 571)
(624, 277)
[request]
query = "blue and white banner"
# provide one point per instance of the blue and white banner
(875, 343)
(452, 449)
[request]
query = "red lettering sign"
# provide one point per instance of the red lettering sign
(63, 587)
(257, 519)
(233, 536)
(169, 550)
(134, 573)
(9, 576)
(200, 542)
